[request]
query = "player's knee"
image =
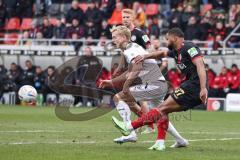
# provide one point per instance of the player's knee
(116, 98)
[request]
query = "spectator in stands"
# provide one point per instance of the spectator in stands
(105, 30)
(140, 15)
(87, 75)
(176, 17)
(188, 12)
(116, 17)
(153, 28)
(39, 79)
(192, 31)
(221, 83)
(75, 13)
(15, 74)
(234, 79)
(47, 90)
(107, 7)
(39, 41)
(234, 41)
(75, 28)
(46, 28)
(219, 30)
(205, 28)
(216, 43)
(24, 8)
(28, 74)
(11, 7)
(3, 14)
(211, 76)
(59, 31)
(24, 39)
(93, 18)
(76, 45)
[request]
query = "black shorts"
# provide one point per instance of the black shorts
(187, 95)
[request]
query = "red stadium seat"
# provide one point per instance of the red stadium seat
(13, 24)
(205, 8)
(8, 36)
(151, 9)
(26, 24)
(83, 6)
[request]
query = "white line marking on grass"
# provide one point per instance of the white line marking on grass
(32, 131)
(100, 142)
(99, 131)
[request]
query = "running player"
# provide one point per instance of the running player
(143, 81)
(192, 92)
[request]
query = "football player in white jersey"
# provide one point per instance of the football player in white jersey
(142, 82)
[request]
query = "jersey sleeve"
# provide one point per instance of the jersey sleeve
(194, 52)
(133, 51)
(144, 38)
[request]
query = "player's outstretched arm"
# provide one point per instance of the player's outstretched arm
(113, 82)
(151, 55)
(203, 78)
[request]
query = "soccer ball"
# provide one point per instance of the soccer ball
(27, 93)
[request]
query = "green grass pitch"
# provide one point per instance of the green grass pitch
(35, 133)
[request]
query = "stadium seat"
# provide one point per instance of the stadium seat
(205, 8)
(9, 36)
(151, 9)
(26, 24)
(83, 6)
(13, 24)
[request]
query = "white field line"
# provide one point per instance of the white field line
(101, 142)
(61, 131)
(32, 131)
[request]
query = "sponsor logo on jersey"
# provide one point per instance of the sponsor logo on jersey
(145, 38)
(192, 51)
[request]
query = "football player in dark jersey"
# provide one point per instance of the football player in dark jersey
(192, 92)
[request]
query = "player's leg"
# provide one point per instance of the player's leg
(158, 115)
(179, 140)
(125, 113)
(145, 109)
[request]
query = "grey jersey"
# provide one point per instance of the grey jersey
(150, 71)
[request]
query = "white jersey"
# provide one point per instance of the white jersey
(150, 71)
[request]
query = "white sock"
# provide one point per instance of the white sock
(171, 130)
(124, 111)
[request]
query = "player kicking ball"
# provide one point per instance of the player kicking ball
(143, 81)
(192, 92)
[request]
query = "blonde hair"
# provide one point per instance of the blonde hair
(123, 30)
(129, 11)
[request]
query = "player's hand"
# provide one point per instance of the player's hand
(105, 83)
(204, 95)
(139, 58)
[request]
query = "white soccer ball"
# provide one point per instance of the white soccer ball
(27, 93)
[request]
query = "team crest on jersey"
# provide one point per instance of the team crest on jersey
(192, 51)
(133, 38)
